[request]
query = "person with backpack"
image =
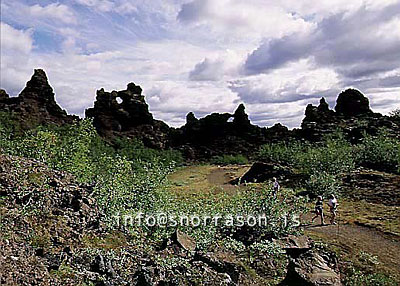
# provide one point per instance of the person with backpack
(319, 210)
(333, 204)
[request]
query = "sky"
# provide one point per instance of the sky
(206, 55)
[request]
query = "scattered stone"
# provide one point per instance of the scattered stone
(184, 240)
(310, 268)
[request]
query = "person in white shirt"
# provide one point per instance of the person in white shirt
(333, 204)
(275, 187)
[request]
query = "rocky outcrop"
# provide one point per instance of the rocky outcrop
(225, 133)
(128, 118)
(352, 116)
(125, 113)
(36, 104)
(310, 268)
(352, 102)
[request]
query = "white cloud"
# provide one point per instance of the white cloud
(126, 8)
(298, 81)
(101, 5)
(17, 40)
(189, 55)
(56, 11)
(242, 20)
(224, 65)
(16, 46)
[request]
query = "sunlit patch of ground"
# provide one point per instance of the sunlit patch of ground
(197, 179)
(363, 227)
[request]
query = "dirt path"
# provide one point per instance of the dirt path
(350, 238)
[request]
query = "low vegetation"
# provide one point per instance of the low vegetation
(323, 163)
(127, 178)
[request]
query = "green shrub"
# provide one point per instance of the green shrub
(322, 183)
(357, 278)
(230, 160)
(335, 156)
(282, 153)
(379, 152)
(134, 149)
(119, 183)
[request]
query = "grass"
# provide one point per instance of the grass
(201, 179)
(381, 217)
(190, 180)
(114, 240)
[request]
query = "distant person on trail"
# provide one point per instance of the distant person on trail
(319, 211)
(332, 203)
(275, 187)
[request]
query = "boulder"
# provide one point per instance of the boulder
(310, 268)
(261, 172)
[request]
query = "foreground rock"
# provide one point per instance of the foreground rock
(52, 233)
(309, 266)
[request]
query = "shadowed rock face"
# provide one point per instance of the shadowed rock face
(128, 118)
(125, 113)
(352, 103)
(353, 116)
(225, 133)
(36, 103)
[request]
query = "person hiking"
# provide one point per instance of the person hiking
(319, 209)
(275, 187)
(333, 204)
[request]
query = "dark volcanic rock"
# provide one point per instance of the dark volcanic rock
(129, 118)
(3, 95)
(353, 117)
(225, 133)
(262, 172)
(309, 265)
(36, 103)
(352, 102)
(125, 113)
(240, 118)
